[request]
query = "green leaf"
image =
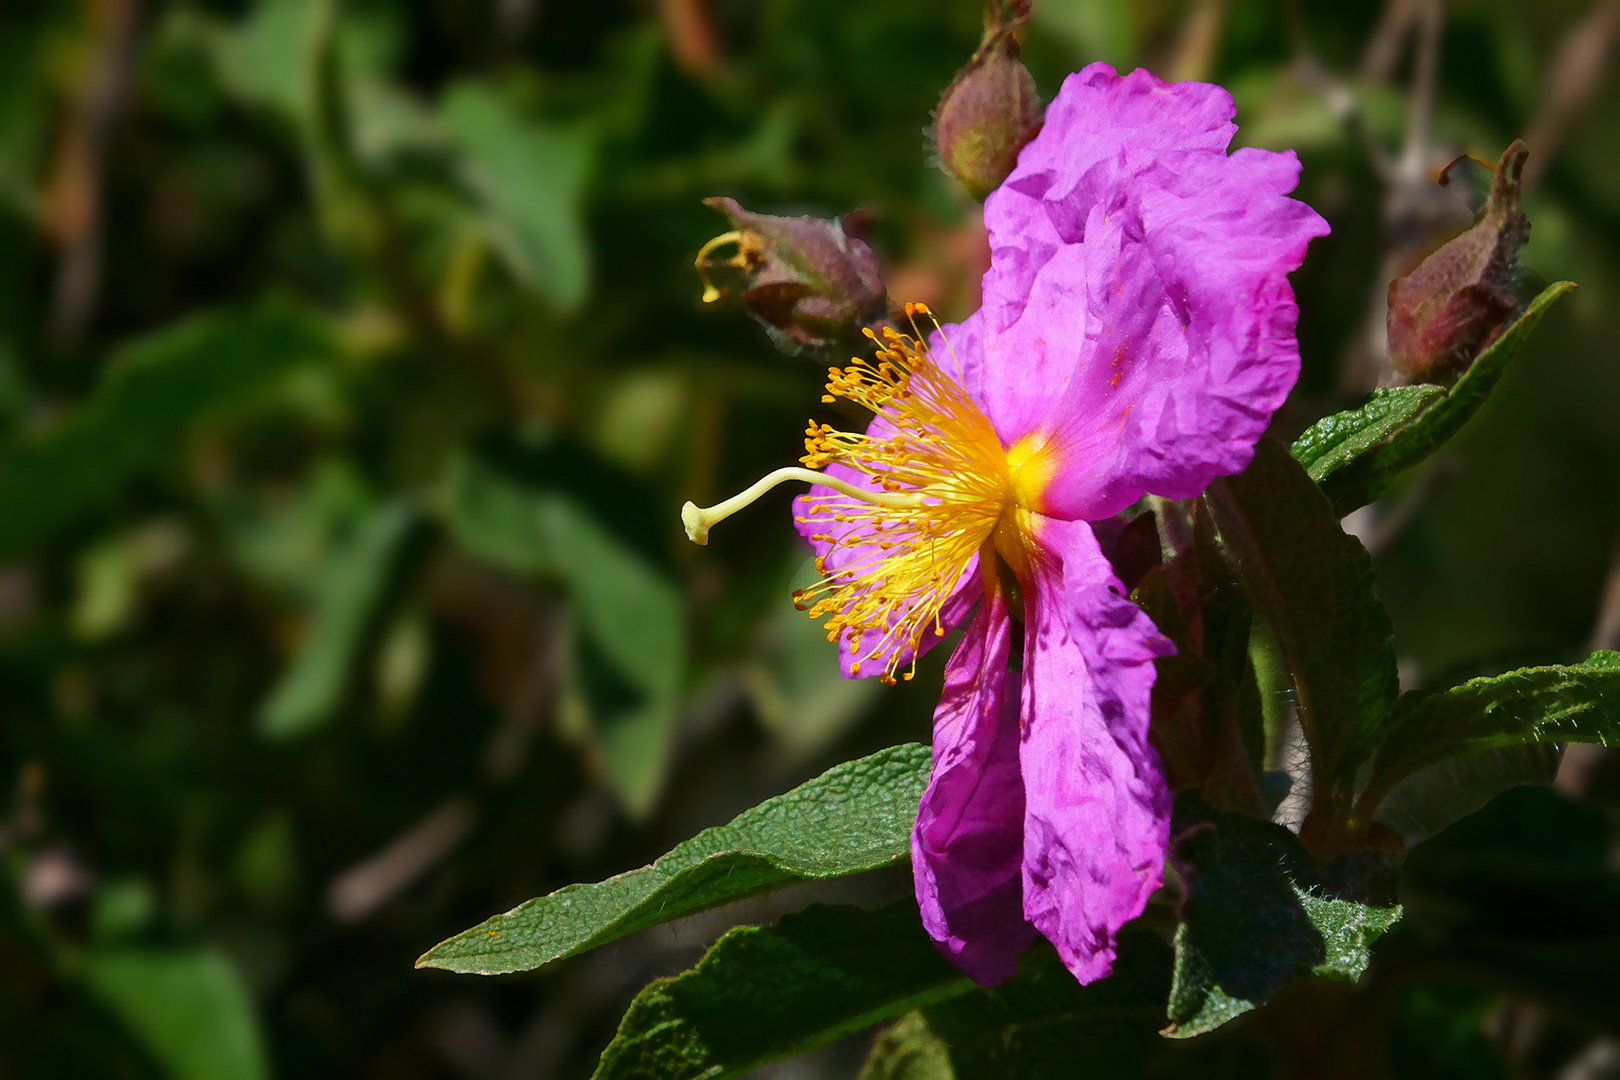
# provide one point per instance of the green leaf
(530, 177)
(764, 993)
(1313, 585)
(1356, 455)
(189, 1008)
(155, 390)
(351, 581)
(630, 614)
(1523, 895)
(1260, 912)
(1042, 1025)
(856, 816)
(1345, 439)
(909, 1050)
(1430, 799)
(1577, 703)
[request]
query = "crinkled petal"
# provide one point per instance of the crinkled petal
(967, 846)
(1138, 317)
(852, 542)
(1097, 811)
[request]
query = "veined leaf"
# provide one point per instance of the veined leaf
(1313, 585)
(1261, 912)
(1355, 455)
(1432, 798)
(154, 391)
(854, 817)
(189, 1008)
(909, 1050)
(1577, 703)
(764, 993)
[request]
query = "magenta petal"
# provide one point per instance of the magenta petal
(967, 847)
(1097, 813)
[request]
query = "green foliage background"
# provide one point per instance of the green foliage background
(353, 370)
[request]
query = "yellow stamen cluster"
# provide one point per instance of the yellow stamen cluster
(939, 482)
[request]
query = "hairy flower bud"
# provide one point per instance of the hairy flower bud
(1461, 298)
(986, 115)
(808, 282)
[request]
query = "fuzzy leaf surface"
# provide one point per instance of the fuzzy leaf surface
(763, 993)
(856, 816)
(1260, 912)
(1561, 703)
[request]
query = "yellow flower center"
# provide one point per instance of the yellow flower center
(940, 488)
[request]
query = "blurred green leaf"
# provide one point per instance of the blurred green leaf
(631, 614)
(189, 1008)
(763, 993)
(350, 583)
(1313, 585)
(530, 177)
(1260, 912)
(855, 817)
(1577, 703)
(1523, 895)
(1356, 456)
(1432, 798)
(1042, 1025)
(909, 1050)
(153, 393)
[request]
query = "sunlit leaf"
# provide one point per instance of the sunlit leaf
(909, 1050)
(855, 817)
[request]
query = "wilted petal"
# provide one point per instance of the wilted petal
(966, 847)
(1097, 811)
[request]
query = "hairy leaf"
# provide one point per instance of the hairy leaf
(1430, 799)
(763, 993)
(854, 817)
(189, 1008)
(1313, 585)
(1261, 912)
(1576, 703)
(1355, 469)
(155, 390)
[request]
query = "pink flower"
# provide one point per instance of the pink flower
(1136, 335)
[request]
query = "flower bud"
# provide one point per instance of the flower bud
(810, 284)
(986, 115)
(1461, 298)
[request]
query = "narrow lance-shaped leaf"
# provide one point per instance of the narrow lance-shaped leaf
(1313, 585)
(1576, 703)
(1356, 455)
(764, 993)
(154, 391)
(1260, 912)
(854, 817)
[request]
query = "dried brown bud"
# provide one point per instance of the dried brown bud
(810, 284)
(987, 114)
(1460, 298)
